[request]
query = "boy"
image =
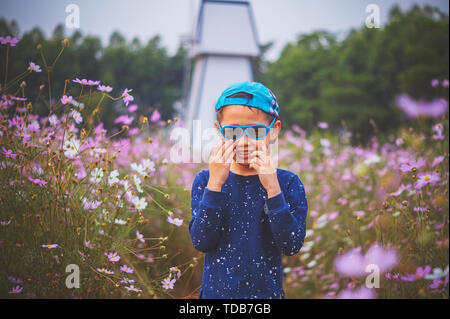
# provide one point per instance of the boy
(245, 211)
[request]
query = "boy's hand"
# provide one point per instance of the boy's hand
(261, 160)
(219, 164)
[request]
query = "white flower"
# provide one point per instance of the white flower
(137, 183)
(96, 175)
(53, 119)
(139, 203)
(138, 168)
(175, 221)
(112, 178)
(71, 147)
(77, 117)
(324, 142)
(149, 165)
(140, 236)
(119, 221)
(372, 159)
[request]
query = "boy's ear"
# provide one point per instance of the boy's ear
(274, 132)
(216, 124)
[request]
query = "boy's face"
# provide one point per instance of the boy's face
(243, 115)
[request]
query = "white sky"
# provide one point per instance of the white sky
(276, 20)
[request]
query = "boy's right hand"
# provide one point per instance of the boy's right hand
(219, 164)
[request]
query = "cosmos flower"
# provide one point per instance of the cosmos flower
(126, 280)
(168, 283)
(8, 39)
(322, 125)
(412, 164)
(132, 108)
(148, 164)
(113, 257)
(50, 246)
(88, 244)
(354, 264)
(16, 290)
(420, 273)
(445, 83)
(133, 288)
(126, 269)
(66, 99)
(53, 119)
(82, 82)
(437, 273)
(104, 88)
(127, 98)
(155, 116)
(37, 181)
(138, 168)
(139, 203)
(8, 153)
(438, 128)
(175, 221)
(437, 160)
(105, 271)
(435, 83)
(140, 236)
(124, 119)
(361, 293)
(112, 178)
(426, 178)
(77, 116)
(414, 109)
(34, 67)
(96, 175)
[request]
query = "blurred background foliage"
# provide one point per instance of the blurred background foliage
(347, 81)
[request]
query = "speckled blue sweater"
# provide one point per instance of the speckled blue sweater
(243, 233)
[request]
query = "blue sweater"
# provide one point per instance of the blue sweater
(243, 234)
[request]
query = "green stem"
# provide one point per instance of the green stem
(6, 64)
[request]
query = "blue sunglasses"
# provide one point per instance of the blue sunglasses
(256, 131)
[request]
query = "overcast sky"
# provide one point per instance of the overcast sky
(276, 20)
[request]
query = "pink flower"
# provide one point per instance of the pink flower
(132, 108)
(35, 67)
(435, 83)
(16, 290)
(82, 82)
(412, 163)
(361, 293)
(168, 283)
(124, 119)
(127, 98)
(37, 181)
(66, 99)
(113, 257)
(445, 83)
(104, 88)
(414, 109)
(12, 41)
(353, 263)
(126, 269)
(426, 178)
(155, 116)
(8, 153)
(437, 160)
(322, 125)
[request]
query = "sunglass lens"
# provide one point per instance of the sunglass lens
(232, 132)
(257, 132)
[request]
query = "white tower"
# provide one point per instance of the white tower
(224, 40)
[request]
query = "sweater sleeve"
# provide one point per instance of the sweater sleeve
(287, 217)
(206, 215)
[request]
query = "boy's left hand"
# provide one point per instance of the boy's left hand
(261, 160)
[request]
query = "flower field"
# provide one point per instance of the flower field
(112, 203)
